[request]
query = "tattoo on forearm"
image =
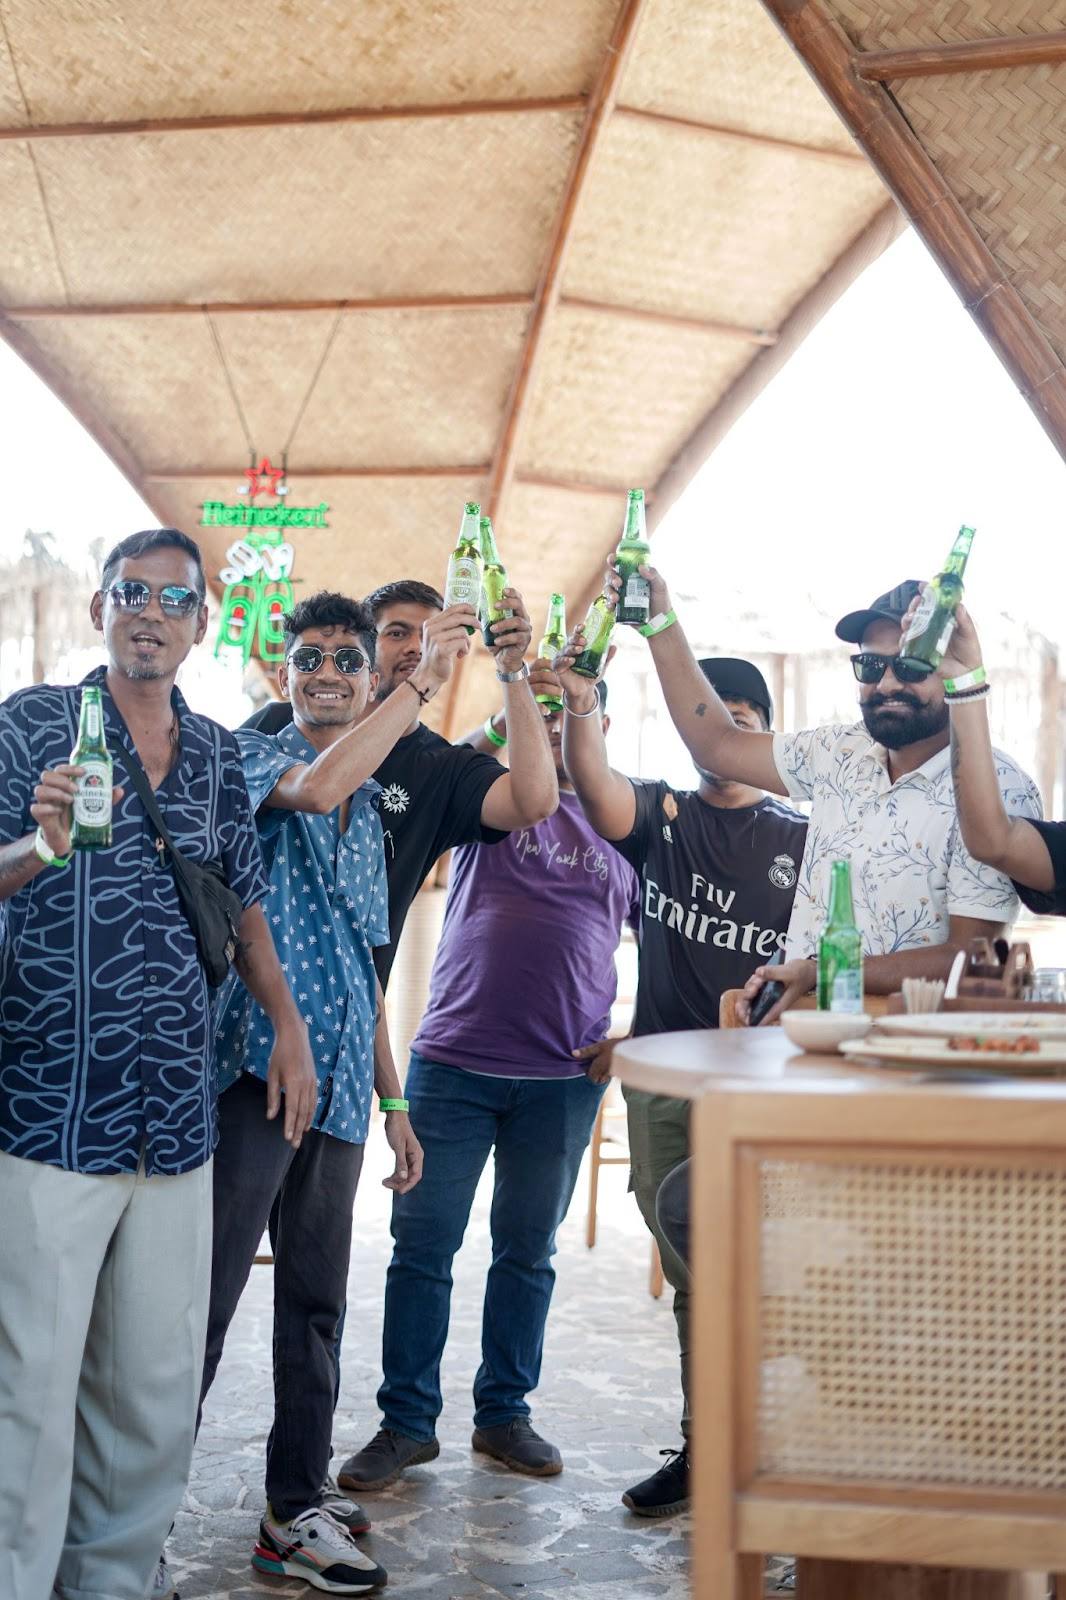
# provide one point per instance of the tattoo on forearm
(701, 708)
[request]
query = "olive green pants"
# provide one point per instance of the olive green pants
(658, 1142)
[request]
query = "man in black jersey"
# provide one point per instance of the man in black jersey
(436, 795)
(718, 866)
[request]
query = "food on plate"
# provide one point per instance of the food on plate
(1021, 1045)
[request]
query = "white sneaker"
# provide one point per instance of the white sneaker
(163, 1583)
(316, 1547)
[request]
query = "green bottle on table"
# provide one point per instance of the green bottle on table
(598, 627)
(840, 948)
(634, 600)
(462, 587)
(91, 811)
(493, 582)
(553, 641)
(932, 625)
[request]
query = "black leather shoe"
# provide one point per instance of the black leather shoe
(665, 1492)
(518, 1447)
(380, 1463)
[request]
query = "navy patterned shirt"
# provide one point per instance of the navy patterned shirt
(328, 909)
(105, 1026)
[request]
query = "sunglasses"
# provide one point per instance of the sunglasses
(869, 667)
(175, 599)
(308, 658)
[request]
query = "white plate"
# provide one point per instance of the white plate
(892, 1051)
(989, 1024)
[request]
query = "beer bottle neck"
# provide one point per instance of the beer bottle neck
(955, 565)
(841, 909)
(635, 531)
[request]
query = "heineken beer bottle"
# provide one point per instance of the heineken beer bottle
(493, 582)
(462, 586)
(929, 634)
(634, 600)
(91, 826)
(553, 641)
(840, 948)
(598, 626)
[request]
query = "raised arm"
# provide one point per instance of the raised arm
(606, 796)
(325, 783)
(712, 738)
(529, 791)
(1009, 844)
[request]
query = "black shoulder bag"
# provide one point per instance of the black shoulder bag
(212, 910)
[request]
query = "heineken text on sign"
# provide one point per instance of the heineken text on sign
(218, 515)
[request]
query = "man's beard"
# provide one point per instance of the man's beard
(143, 672)
(895, 732)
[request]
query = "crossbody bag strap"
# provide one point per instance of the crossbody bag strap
(139, 779)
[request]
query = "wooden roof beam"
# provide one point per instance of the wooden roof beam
(817, 152)
(964, 258)
(294, 119)
(976, 55)
(533, 480)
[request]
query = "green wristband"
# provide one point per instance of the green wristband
(969, 680)
(658, 624)
(395, 1105)
(499, 740)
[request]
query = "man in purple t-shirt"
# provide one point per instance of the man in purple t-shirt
(493, 1068)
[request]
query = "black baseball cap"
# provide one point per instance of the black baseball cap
(735, 679)
(890, 607)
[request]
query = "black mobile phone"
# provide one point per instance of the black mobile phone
(768, 995)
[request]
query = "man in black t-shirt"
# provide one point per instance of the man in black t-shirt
(718, 868)
(435, 795)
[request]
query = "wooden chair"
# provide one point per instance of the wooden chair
(609, 1133)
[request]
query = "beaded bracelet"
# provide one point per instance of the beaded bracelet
(968, 694)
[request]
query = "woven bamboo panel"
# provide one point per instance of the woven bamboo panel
(912, 1323)
(461, 206)
(998, 140)
(890, 24)
(11, 108)
(683, 221)
(27, 262)
(727, 64)
(108, 59)
(414, 388)
(613, 397)
(555, 540)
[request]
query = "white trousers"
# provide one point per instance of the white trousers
(104, 1285)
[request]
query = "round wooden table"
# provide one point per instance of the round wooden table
(776, 1282)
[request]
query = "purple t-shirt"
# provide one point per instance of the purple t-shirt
(524, 971)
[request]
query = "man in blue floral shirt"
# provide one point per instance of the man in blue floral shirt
(327, 910)
(107, 1102)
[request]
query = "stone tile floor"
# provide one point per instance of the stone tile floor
(463, 1528)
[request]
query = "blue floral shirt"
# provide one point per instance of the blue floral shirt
(105, 1025)
(327, 909)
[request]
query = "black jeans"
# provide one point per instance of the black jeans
(315, 1191)
(672, 1208)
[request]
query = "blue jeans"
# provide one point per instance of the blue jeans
(540, 1128)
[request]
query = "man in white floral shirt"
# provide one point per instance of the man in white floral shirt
(881, 796)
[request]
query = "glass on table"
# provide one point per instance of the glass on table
(1049, 986)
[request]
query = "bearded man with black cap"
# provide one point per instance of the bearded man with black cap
(881, 796)
(718, 866)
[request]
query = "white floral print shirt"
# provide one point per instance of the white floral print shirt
(910, 870)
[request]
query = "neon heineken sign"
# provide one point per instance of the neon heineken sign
(263, 479)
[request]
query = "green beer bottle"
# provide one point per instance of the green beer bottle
(840, 948)
(933, 623)
(91, 825)
(493, 582)
(553, 641)
(598, 626)
(634, 601)
(462, 587)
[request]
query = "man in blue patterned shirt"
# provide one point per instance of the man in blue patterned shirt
(107, 1098)
(328, 911)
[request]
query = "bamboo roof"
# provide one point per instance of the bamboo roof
(531, 255)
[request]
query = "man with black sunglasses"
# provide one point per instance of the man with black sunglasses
(107, 1102)
(880, 794)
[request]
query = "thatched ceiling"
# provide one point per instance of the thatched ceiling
(546, 252)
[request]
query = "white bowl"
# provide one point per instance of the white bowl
(825, 1030)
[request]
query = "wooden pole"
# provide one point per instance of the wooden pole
(965, 259)
(977, 55)
(817, 152)
(294, 119)
(222, 308)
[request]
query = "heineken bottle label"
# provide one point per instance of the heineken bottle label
(637, 591)
(923, 616)
(463, 587)
(846, 993)
(92, 797)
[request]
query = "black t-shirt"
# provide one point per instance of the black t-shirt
(716, 895)
(1050, 902)
(431, 798)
